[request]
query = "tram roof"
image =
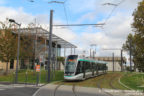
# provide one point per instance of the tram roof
(45, 34)
(96, 61)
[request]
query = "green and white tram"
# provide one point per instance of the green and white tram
(77, 68)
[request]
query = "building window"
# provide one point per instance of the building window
(11, 63)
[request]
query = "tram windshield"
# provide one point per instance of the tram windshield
(71, 64)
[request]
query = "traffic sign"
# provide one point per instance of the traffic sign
(37, 68)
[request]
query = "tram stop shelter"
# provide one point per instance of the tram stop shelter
(38, 39)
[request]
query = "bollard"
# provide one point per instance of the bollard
(26, 78)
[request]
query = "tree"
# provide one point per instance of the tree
(137, 44)
(136, 50)
(8, 43)
(26, 48)
(138, 27)
(130, 44)
(61, 59)
(32, 44)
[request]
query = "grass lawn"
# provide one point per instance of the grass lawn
(103, 80)
(31, 76)
(134, 80)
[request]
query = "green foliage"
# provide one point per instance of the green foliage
(61, 59)
(139, 19)
(137, 45)
(8, 43)
(26, 46)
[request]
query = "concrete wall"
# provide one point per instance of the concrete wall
(117, 66)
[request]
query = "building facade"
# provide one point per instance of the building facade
(39, 51)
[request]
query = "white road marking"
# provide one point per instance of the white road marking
(2, 89)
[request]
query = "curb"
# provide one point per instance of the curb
(56, 81)
(44, 86)
(124, 84)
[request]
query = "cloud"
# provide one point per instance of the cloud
(42, 20)
(18, 14)
(22, 17)
(116, 29)
(118, 26)
(112, 36)
(65, 33)
(95, 8)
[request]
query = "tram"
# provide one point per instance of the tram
(78, 68)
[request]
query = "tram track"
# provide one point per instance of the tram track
(58, 86)
(99, 86)
(111, 81)
(112, 78)
(73, 89)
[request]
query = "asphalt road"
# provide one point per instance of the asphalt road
(59, 90)
(54, 90)
(19, 90)
(64, 90)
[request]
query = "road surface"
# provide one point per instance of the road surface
(63, 90)
(17, 90)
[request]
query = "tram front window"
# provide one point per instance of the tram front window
(70, 64)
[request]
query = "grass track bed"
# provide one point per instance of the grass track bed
(104, 81)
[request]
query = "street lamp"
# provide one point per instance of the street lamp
(18, 48)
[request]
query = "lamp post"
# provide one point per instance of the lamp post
(50, 47)
(94, 52)
(18, 48)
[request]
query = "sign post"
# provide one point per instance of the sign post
(37, 70)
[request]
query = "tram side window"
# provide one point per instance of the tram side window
(102, 67)
(105, 67)
(99, 66)
(95, 66)
(87, 67)
(79, 68)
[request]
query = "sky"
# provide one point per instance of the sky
(112, 35)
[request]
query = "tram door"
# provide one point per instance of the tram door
(83, 63)
(92, 68)
(97, 68)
